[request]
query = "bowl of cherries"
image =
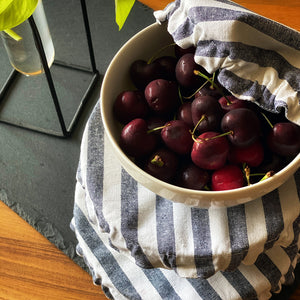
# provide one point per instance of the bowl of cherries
(183, 136)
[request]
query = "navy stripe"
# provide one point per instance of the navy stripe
(240, 86)
(238, 235)
(273, 217)
(202, 242)
(205, 14)
(104, 256)
(252, 54)
(165, 232)
(203, 288)
(241, 284)
(129, 219)
(94, 172)
(161, 284)
(269, 270)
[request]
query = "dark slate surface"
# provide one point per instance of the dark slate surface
(37, 177)
(37, 171)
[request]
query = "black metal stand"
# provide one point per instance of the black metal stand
(66, 131)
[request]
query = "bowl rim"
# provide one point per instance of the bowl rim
(215, 195)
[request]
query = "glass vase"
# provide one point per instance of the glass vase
(23, 54)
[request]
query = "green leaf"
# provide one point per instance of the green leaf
(15, 12)
(122, 9)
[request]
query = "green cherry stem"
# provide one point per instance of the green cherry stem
(158, 52)
(191, 96)
(156, 160)
(212, 82)
(268, 121)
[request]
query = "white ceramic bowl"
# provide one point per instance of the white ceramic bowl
(116, 79)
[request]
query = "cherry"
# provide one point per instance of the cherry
(209, 110)
(162, 96)
(181, 51)
(209, 90)
(227, 178)
(162, 164)
(168, 65)
(284, 139)
(231, 102)
(177, 136)
(192, 177)
(142, 73)
(185, 114)
(244, 125)
(185, 72)
(135, 140)
(130, 105)
(252, 155)
(210, 151)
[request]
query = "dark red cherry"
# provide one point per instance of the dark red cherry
(227, 178)
(135, 140)
(192, 177)
(177, 137)
(210, 151)
(252, 155)
(284, 139)
(142, 73)
(162, 96)
(185, 114)
(168, 65)
(209, 110)
(185, 72)
(179, 51)
(231, 102)
(244, 125)
(130, 105)
(162, 164)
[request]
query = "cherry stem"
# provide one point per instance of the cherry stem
(158, 52)
(268, 175)
(157, 128)
(247, 174)
(199, 89)
(213, 84)
(267, 119)
(157, 161)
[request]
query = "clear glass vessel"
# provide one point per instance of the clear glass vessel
(23, 54)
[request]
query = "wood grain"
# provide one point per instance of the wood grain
(33, 268)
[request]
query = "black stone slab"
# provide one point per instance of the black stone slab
(37, 171)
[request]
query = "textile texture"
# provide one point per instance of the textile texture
(139, 245)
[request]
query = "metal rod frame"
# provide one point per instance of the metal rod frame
(66, 131)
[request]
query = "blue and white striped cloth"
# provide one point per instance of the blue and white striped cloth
(259, 58)
(141, 246)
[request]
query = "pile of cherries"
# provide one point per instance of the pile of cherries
(181, 126)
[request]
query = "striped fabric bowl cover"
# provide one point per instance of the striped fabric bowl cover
(141, 246)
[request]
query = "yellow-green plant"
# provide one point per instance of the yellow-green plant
(122, 10)
(13, 13)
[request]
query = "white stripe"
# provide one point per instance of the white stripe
(281, 260)
(256, 228)
(99, 271)
(181, 286)
(112, 195)
(259, 282)
(184, 242)
(290, 206)
(147, 234)
(223, 288)
(220, 240)
(135, 274)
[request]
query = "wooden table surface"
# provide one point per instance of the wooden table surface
(33, 268)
